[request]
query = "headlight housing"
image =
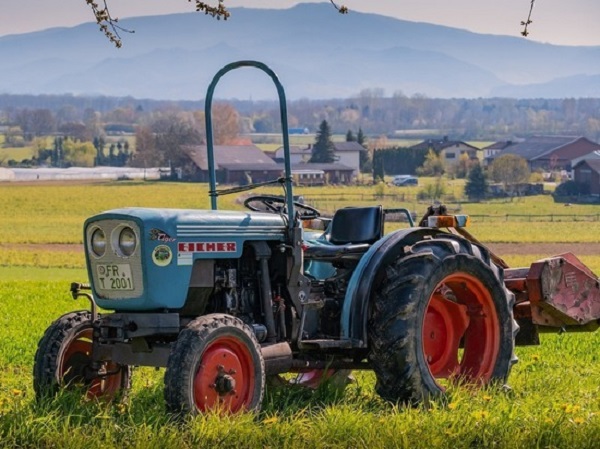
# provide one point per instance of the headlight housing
(127, 241)
(98, 242)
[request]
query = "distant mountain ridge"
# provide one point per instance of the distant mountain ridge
(316, 53)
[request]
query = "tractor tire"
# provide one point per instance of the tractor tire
(440, 311)
(64, 354)
(216, 364)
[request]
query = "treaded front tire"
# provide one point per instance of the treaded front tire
(216, 364)
(440, 310)
(64, 354)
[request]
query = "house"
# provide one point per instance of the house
(247, 163)
(553, 153)
(491, 151)
(346, 154)
(234, 164)
(587, 173)
(449, 151)
(298, 154)
(333, 173)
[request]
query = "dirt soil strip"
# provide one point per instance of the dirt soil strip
(545, 249)
(540, 249)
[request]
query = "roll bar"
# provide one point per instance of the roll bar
(289, 197)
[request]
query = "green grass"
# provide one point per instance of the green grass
(554, 400)
(29, 273)
(17, 154)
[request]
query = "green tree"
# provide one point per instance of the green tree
(433, 165)
(323, 150)
(99, 144)
(78, 154)
(365, 160)
(350, 136)
(360, 137)
(463, 166)
(476, 186)
(510, 170)
(378, 166)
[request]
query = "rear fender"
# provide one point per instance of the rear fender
(355, 311)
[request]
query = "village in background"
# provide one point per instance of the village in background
(501, 147)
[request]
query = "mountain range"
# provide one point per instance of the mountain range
(316, 53)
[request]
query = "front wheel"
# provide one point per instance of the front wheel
(64, 359)
(440, 312)
(216, 364)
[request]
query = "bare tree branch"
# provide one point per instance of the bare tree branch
(526, 23)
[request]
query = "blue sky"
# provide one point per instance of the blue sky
(563, 22)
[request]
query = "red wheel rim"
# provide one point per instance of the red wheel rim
(76, 357)
(461, 313)
(225, 379)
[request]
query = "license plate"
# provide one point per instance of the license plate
(114, 276)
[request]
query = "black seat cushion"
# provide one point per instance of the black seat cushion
(357, 225)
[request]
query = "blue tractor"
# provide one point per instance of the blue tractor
(226, 300)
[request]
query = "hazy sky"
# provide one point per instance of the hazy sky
(568, 22)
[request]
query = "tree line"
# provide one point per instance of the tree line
(370, 110)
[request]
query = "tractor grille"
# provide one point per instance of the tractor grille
(115, 274)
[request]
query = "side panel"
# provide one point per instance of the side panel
(356, 303)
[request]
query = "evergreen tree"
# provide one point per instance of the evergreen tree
(365, 162)
(378, 166)
(99, 145)
(323, 149)
(476, 186)
(360, 137)
(350, 137)
(111, 154)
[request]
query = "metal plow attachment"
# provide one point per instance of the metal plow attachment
(557, 293)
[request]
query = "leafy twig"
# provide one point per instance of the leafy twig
(527, 22)
(217, 12)
(107, 23)
(341, 9)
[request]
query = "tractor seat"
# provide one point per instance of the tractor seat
(352, 232)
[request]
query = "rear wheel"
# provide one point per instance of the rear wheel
(216, 364)
(63, 359)
(440, 312)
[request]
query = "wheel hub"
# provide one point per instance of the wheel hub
(225, 382)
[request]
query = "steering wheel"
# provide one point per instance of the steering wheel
(277, 205)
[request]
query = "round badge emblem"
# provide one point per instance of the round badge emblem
(162, 255)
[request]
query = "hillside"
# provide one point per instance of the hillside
(316, 53)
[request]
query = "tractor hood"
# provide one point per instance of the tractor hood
(141, 258)
(175, 223)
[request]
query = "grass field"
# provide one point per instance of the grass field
(554, 400)
(16, 154)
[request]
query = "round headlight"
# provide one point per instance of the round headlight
(98, 242)
(127, 242)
